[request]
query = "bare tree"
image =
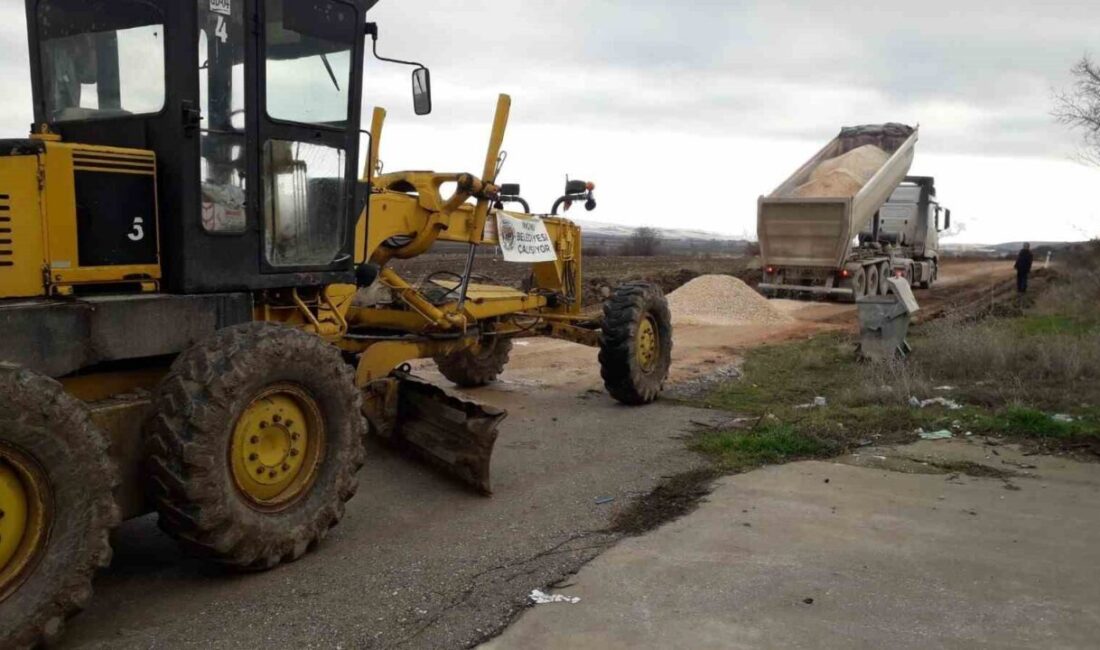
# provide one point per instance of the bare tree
(643, 242)
(1079, 107)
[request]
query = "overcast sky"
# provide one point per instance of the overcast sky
(685, 112)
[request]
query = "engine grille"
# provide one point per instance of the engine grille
(101, 161)
(7, 242)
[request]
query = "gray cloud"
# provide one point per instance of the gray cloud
(621, 89)
(775, 69)
(979, 73)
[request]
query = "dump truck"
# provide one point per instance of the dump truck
(849, 247)
(200, 309)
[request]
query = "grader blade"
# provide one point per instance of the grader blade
(454, 434)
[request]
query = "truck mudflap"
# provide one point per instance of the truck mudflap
(453, 434)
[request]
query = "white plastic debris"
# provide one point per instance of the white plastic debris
(945, 389)
(935, 401)
(540, 597)
(818, 403)
(937, 435)
(1062, 417)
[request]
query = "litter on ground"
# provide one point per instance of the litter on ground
(818, 403)
(935, 401)
(937, 435)
(540, 597)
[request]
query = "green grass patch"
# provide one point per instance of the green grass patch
(1032, 423)
(767, 445)
(1052, 325)
(778, 376)
(1012, 372)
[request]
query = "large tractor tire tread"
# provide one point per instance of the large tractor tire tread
(473, 369)
(198, 405)
(43, 422)
(624, 375)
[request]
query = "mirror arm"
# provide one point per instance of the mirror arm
(372, 31)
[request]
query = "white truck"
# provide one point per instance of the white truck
(850, 247)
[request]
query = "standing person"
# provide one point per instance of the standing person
(1023, 268)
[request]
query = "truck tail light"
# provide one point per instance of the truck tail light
(845, 273)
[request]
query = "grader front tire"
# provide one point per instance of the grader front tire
(473, 368)
(636, 343)
(57, 507)
(256, 445)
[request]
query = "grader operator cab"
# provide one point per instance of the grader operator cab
(199, 309)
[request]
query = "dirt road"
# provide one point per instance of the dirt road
(418, 562)
(699, 349)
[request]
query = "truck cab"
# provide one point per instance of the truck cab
(914, 217)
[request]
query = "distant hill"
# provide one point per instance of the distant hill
(1007, 248)
(609, 237)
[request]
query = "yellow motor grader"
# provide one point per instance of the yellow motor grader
(199, 309)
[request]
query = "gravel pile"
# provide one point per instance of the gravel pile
(722, 300)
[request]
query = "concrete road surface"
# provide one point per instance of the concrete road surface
(880, 550)
(418, 562)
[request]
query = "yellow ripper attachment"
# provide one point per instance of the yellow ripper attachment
(453, 434)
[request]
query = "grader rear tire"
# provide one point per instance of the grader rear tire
(636, 344)
(471, 368)
(57, 507)
(256, 445)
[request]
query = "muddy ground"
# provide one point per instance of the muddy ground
(419, 562)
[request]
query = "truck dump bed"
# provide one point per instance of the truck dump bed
(818, 232)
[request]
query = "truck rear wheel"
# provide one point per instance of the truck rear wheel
(934, 275)
(256, 445)
(884, 275)
(57, 507)
(856, 282)
(873, 280)
(636, 343)
(476, 367)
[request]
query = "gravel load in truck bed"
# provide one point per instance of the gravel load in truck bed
(722, 300)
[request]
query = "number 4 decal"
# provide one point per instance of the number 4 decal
(138, 233)
(222, 30)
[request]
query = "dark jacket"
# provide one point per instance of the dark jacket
(1024, 261)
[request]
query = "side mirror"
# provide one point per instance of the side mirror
(947, 221)
(422, 91)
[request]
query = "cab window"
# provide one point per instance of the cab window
(101, 58)
(221, 42)
(309, 46)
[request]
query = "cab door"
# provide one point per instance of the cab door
(310, 67)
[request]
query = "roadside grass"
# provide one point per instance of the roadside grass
(1025, 372)
(1012, 368)
(1033, 423)
(737, 451)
